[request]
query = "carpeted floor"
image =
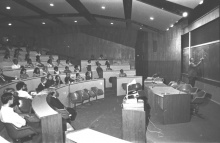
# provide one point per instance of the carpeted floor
(105, 116)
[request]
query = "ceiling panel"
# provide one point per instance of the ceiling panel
(14, 24)
(187, 3)
(113, 8)
(162, 19)
(16, 9)
(71, 20)
(107, 22)
(60, 6)
(38, 22)
(140, 28)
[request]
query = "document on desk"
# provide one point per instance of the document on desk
(161, 91)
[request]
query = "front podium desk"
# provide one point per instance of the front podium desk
(51, 121)
(168, 105)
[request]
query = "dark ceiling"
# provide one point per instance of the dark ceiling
(138, 14)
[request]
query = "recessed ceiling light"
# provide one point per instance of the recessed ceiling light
(9, 24)
(185, 14)
(103, 7)
(8, 7)
(151, 18)
(75, 21)
(167, 29)
(140, 27)
(171, 25)
(176, 21)
(43, 23)
(51, 4)
(112, 23)
(201, 2)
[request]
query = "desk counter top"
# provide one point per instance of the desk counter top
(161, 91)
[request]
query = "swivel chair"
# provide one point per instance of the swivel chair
(97, 91)
(196, 102)
(75, 98)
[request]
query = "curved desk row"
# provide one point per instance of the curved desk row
(113, 67)
(108, 74)
(118, 81)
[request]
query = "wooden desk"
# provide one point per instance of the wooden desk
(91, 136)
(51, 121)
(168, 103)
(117, 83)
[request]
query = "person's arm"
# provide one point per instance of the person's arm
(196, 65)
(27, 95)
(8, 78)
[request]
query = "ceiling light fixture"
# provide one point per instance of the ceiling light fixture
(171, 25)
(51, 4)
(185, 14)
(43, 23)
(8, 7)
(75, 21)
(151, 18)
(201, 2)
(167, 29)
(103, 7)
(140, 27)
(9, 24)
(112, 23)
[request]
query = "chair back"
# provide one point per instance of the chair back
(25, 105)
(199, 98)
(137, 86)
(185, 88)
(90, 93)
(97, 91)
(75, 97)
(86, 94)
(18, 133)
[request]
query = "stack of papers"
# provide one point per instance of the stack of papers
(134, 105)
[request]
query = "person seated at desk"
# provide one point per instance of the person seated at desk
(29, 64)
(122, 74)
(36, 72)
(23, 74)
(107, 63)
(58, 80)
(38, 63)
(68, 79)
(15, 65)
(42, 86)
(49, 63)
(76, 68)
(45, 71)
(50, 82)
(55, 103)
(21, 90)
(68, 63)
(78, 77)
(67, 70)
(101, 57)
(88, 75)
(58, 63)
(99, 71)
(56, 71)
(5, 79)
(89, 66)
(9, 116)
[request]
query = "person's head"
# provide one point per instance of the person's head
(1, 71)
(29, 61)
(101, 56)
(43, 80)
(49, 61)
(55, 68)
(66, 68)
(77, 75)
(121, 71)
(15, 61)
(20, 85)
(58, 61)
(76, 66)
(7, 98)
(49, 77)
(191, 60)
(23, 71)
(57, 77)
(67, 61)
(37, 70)
(45, 68)
(89, 61)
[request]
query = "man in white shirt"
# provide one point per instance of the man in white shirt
(20, 86)
(15, 65)
(7, 115)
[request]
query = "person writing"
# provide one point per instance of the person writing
(122, 74)
(192, 73)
